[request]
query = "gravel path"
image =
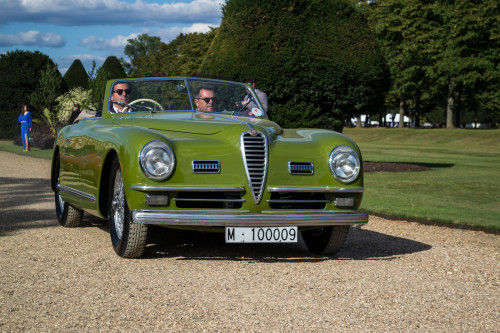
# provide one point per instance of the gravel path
(391, 276)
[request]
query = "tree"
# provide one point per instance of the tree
(317, 54)
(181, 57)
(67, 101)
(469, 50)
(138, 49)
(51, 85)
(76, 76)
(404, 31)
(113, 68)
(20, 76)
(439, 50)
(97, 85)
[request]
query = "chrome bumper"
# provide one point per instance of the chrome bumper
(247, 219)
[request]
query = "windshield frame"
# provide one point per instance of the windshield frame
(190, 84)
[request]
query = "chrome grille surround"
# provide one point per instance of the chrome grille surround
(206, 166)
(300, 168)
(254, 149)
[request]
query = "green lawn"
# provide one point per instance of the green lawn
(462, 188)
(7, 145)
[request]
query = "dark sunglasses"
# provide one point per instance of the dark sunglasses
(207, 99)
(121, 91)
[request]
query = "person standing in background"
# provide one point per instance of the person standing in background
(74, 114)
(26, 124)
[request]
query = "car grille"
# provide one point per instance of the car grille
(297, 200)
(255, 159)
(206, 167)
(300, 168)
(215, 200)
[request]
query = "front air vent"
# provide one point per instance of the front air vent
(254, 149)
(300, 168)
(206, 166)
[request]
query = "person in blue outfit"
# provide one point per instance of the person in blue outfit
(25, 120)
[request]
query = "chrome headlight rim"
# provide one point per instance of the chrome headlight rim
(341, 153)
(143, 159)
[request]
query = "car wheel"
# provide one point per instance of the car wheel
(67, 215)
(128, 238)
(326, 240)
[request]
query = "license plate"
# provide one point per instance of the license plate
(261, 235)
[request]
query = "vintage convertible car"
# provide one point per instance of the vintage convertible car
(203, 155)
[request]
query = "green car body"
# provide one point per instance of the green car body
(211, 183)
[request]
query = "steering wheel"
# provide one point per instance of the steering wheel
(140, 100)
(242, 106)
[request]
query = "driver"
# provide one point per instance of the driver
(204, 98)
(121, 93)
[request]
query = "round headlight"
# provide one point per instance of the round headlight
(157, 160)
(344, 164)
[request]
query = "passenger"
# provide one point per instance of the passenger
(204, 98)
(260, 94)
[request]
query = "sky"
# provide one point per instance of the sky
(89, 30)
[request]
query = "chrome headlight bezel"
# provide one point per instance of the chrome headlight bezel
(345, 164)
(163, 154)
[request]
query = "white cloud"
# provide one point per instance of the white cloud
(119, 42)
(33, 38)
(116, 43)
(168, 34)
(109, 12)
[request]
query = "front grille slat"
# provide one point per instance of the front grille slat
(255, 160)
(300, 168)
(298, 200)
(209, 166)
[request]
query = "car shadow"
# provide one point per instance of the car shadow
(361, 244)
(17, 197)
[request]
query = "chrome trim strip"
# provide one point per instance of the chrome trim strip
(297, 201)
(211, 200)
(318, 189)
(186, 189)
(80, 194)
(247, 219)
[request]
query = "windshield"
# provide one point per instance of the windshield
(155, 95)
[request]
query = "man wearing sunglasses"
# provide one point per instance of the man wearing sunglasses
(204, 98)
(121, 94)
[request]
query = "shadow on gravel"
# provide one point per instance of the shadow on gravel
(360, 245)
(15, 194)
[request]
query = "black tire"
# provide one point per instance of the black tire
(67, 215)
(128, 238)
(326, 240)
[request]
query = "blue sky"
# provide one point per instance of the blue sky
(88, 30)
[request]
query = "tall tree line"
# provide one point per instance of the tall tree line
(442, 54)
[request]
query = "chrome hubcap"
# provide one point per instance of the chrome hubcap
(118, 204)
(60, 199)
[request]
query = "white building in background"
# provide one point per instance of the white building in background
(388, 120)
(373, 123)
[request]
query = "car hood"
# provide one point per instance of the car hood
(195, 123)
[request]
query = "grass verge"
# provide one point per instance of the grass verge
(7, 145)
(461, 188)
